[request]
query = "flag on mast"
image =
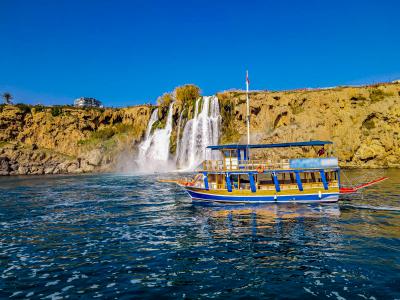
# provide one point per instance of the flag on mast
(248, 106)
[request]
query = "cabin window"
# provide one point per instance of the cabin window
(292, 178)
(264, 179)
(216, 181)
(328, 176)
(331, 176)
(212, 178)
(235, 181)
(304, 177)
(244, 182)
(310, 177)
(285, 178)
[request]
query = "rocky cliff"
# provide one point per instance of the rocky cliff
(363, 122)
(50, 140)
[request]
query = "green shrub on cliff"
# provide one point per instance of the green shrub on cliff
(187, 93)
(39, 108)
(98, 137)
(56, 111)
(186, 97)
(121, 128)
(24, 108)
(159, 124)
(165, 100)
(104, 133)
(377, 95)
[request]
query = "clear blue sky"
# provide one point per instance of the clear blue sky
(130, 52)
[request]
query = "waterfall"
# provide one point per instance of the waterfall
(198, 133)
(154, 150)
(153, 119)
(201, 131)
(145, 145)
(178, 134)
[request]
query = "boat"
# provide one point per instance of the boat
(237, 177)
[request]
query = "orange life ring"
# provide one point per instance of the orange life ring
(260, 169)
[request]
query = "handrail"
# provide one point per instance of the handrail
(243, 165)
(246, 165)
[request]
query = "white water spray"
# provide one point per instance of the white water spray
(154, 150)
(178, 134)
(153, 119)
(203, 130)
(198, 133)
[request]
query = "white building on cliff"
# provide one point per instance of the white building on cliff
(87, 102)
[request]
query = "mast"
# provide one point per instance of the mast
(248, 107)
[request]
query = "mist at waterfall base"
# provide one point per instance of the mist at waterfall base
(197, 133)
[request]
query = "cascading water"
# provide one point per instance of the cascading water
(154, 150)
(178, 134)
(203, 130)
(153, 119)
(198, 133)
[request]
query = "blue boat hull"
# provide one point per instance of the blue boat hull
(304, 198)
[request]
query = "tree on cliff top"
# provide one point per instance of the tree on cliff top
(7, 98)
(186, 93)
(165, 100)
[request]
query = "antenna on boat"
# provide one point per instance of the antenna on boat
(248, 107)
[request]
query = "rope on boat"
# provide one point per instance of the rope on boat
(365, 178)
(357, 188)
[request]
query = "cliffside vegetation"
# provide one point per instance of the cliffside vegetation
(184, 98)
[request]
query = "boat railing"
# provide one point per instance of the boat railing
(244, 165)
(286, 186)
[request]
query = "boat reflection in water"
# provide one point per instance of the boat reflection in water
(270, 220)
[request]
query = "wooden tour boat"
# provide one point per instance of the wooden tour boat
(237, 178)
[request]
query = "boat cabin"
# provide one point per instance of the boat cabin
(238, 171)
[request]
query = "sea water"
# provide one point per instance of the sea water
(127, 236)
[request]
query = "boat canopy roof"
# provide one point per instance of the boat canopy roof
(260, 146)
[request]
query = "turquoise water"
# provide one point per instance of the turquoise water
(120, 236)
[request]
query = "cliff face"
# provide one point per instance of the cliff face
(363, 123)
(48, 140)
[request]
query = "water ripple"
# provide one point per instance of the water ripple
(103, 236)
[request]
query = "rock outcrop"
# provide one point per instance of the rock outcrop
(363, 122)
(53, 140)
